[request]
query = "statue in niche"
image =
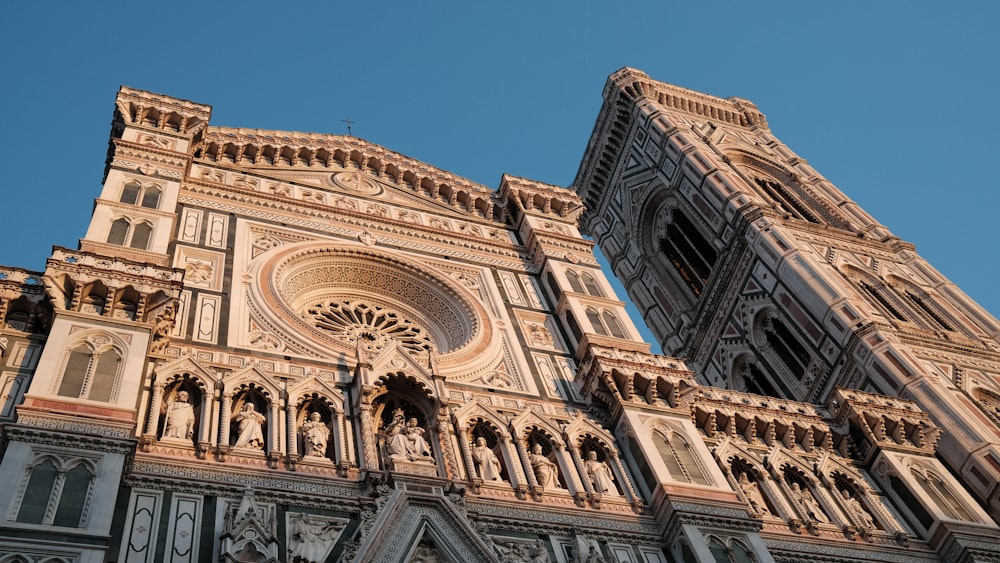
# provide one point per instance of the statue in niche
(315, 436)
(546, 472)
(486, 460)
(404, 441)
(249, 430)
(752, 492)
(179, 420)
(808, 505)
(859, 512)
(600, 475)
(417, 447)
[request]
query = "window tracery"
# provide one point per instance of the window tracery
(677, 454)
(357, 323)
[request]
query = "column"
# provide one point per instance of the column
(293, 433)
(154, 410)
(368, 445)
(574, 454)
(227, 413)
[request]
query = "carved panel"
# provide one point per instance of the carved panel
(218, 230)
(139, 543)
(189, 229)
(183, 530)
(207, 318)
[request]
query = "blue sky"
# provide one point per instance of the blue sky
(892, 101)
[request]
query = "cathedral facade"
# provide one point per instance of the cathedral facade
(281, 346)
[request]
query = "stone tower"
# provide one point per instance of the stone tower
(767, 278)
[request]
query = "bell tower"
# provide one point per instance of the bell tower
(767, 278)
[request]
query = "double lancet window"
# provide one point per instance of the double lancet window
(135, 193)
(134, 234)
(55, 492)
(91, 371)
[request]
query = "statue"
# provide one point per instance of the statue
(546, 472)
(417, 447)
(396, 443)
(854, 506)
(315, 436)
(807, 503)
(404, 441)
(752, 492)
(179, 421)
(600, 475)
(489, 465)
(250, 434)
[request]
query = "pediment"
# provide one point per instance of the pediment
(410, 520)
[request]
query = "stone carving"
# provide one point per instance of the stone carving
(808, 505)
(514, 551)
(198, 272)
(315, 436)
(486, 461)
(250, 434)
(416, 445)
(264, 341)
(426, 554)
(179, 423)
(751, 491)
(312, 537)
(546, 472)
(857, 510)
(600, 475)
(538, 335)
(162, 329)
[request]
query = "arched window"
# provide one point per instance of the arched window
(789, 350)
(574, 281)
(130, 193)
(134, 193)
(55, 497)
(755, 381)
(883, 300)
(611, 322)
(151, 197)
(733, 552)
(935, 488)
(691, 255)
(595, 321)
(90, 375)
(119, 231)
(35, 501)
(679, 458)
(75, 373)
(605, 323)
(591, 285)
(140, 236)
(125, 233)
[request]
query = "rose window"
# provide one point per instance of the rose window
(372, 327)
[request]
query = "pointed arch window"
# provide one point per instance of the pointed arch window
(90, 375)
(605, 323)
(126, 233)
(55, 495)
(574, 281)
(790, 351)
(787, 201)
(680, 459)
(690, 253)
(134, 193)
